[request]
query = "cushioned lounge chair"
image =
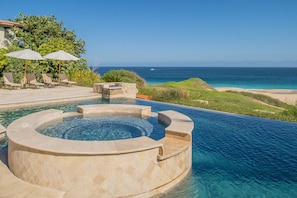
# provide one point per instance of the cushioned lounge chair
(47, 80)
(8, 81)
(65, 81)
(31, 81)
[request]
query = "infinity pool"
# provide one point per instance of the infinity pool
(233, 155)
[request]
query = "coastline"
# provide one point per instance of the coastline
(285, 95)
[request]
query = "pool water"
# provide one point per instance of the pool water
(101, 128)
(233, 155)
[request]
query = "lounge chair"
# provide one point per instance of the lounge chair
(65, 81)
(8, 81)
(47, 80)
(31, 81)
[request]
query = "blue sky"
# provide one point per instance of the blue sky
(175, 32)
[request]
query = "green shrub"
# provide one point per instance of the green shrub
(165, 94)
(84, 78)
(291, 111)
(124, 76)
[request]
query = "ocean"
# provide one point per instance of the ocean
(237, 77)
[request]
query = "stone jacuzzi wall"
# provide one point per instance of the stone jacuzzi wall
(138, 167)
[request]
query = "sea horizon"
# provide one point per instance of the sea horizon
(254, 78)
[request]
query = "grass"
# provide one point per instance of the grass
(197, 93)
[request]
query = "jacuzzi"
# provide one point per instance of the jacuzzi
(136, 167)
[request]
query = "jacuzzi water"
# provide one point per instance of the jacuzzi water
(101, 128)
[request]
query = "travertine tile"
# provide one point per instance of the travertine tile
(109, 168)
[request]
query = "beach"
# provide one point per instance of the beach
(284, 95)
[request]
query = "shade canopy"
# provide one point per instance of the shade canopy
(25, 54)
(60, 55)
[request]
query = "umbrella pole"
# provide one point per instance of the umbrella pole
(25, 68)
(59, 80)
(24, 78)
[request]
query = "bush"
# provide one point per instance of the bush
(290, 111)
(165, 94)
(84, 78)
(124, 76)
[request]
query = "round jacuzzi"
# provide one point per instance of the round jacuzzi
(134, 165)
(103, 128)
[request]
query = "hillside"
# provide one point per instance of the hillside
(197, 93)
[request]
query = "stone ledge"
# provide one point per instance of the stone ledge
(178, 133)
(137, 110)
(13, 187)
(178, 124)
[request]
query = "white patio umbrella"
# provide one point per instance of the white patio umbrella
(26, 54)
(61, 56)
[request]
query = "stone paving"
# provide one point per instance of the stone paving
(26, 97)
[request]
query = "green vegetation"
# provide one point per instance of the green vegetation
(44, 35)
(85, 78)
(165, 94)
(122, 75)
(197, 93)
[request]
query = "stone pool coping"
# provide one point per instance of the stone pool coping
(23, 132)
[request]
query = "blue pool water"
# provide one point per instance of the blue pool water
(233, 155)
(103, 128)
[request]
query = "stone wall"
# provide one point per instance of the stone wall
(116, 90)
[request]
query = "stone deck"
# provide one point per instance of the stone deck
(28, 97)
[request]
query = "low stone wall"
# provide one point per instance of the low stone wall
(118, 109)
(115, 90)
(138, 167)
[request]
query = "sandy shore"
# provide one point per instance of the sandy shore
(284, 95)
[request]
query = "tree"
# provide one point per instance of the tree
(3, 60)
(50, 66)
(45, 34)
(37, 30)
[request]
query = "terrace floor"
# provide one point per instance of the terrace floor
(25, 97)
